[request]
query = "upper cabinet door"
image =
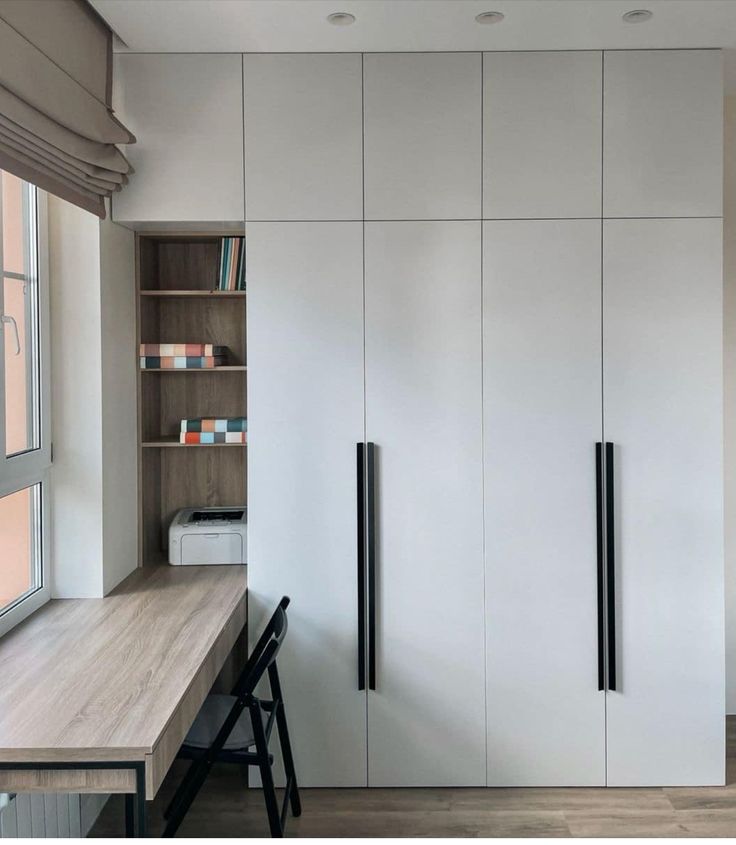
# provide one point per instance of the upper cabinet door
(663, 133)
(542, 117)
(303, 137)
(187, 113)
(422, 136)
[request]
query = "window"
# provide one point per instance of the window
(25, 453)
(20, 315)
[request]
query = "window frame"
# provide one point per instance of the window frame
(27, 469)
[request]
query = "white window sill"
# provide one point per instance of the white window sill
(23, 610)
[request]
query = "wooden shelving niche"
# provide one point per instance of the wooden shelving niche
(178, 303)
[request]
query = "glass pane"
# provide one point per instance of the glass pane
(13, 241)
(20, 562)
(19, 330)
(20, 316)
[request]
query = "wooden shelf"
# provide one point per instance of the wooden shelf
(235, 368)
(238, 294)
(172, 440)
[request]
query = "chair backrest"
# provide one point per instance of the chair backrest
(265, 650)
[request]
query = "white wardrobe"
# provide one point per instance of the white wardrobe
(485, 423)
(523, 278)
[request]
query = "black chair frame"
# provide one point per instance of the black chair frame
(261, 661)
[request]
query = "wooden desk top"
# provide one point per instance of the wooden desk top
(103, 679)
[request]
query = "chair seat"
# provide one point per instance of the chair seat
(211, 718)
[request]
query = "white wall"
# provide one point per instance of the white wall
(94, 475)
(119, 417)
(729, 399)
(76, 388)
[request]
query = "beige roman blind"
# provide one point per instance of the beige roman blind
(57, 127)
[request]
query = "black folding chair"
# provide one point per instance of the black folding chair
(229, 726)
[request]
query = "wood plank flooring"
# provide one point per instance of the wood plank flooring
(225, 808)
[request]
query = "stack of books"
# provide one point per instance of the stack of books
(214, 430)
(181, 356)
(232, 264)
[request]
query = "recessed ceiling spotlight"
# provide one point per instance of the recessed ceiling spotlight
(489, 17)
(341, 18)
(637, 16)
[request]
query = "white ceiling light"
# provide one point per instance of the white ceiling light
(489, 17)
(341, 18)
(637, 16)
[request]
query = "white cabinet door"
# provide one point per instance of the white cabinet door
(426, 718)
(542, 134)
(663, 133)
(662, 316)
(422, 136)
(187, 113)
(305, 393)
(542, 419)
(303, 136)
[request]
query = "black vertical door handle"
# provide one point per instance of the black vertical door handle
(600, 566)
(360, 461)
(370, 492)
(610, 568)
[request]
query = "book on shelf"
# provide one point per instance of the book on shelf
(158, 350)
(217, 424)
(181, 362)
(211, 437)
(232, 264)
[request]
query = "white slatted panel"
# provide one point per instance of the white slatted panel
(38, 816)
(75, 816)
(50, 815)
(62, 813)
(23, 805)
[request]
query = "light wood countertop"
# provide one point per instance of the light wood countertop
(118, 678)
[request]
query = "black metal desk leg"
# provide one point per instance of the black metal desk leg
(140, 796)
(129, 815)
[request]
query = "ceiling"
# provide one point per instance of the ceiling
(234, 26)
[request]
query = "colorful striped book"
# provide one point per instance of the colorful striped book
(232, 264)
(205, 437)
(177, 349)
(181, 362)
(215, 424)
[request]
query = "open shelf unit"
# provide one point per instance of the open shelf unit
(178, 303)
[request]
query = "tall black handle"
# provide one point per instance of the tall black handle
(371, 545)
(360, 460)
(600, 566)
(610, 568)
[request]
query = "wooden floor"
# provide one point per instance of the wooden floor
(224, 808)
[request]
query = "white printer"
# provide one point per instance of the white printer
(201, 536)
